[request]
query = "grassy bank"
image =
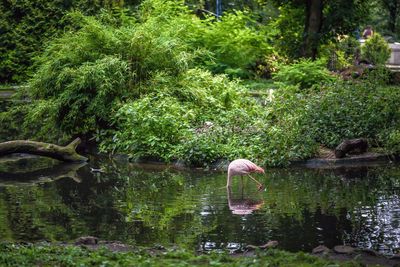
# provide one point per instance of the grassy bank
(45, 255)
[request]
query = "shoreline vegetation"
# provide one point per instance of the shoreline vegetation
(53, 255)
(90, 252)
(112, 253)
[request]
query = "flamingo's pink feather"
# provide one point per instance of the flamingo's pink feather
(242, 167)
(253, 167)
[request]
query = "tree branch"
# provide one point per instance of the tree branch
(63, 153)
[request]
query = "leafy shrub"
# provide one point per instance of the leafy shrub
(84, 93)
(351, 111)
(202, 149)
(378, 75)
(151, 126)
(340, 53)
(86, 73)
(287, 31)
(350, 46)
(305, 73)
(203, 89)
(235, 133)
(301, 119)
(271, 135)
(169, 122)
(390, 139)
(268, 65)
(26, 27)
(236, 42)
(375, 50)
(288, 133)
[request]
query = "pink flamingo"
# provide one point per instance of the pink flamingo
(240, 167)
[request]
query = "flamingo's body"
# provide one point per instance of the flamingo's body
(240, 167)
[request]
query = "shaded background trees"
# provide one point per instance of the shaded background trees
(320, 21)
(393, 6)
(384, 16)
(301, 26)
(26, 26)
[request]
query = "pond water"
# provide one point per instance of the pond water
(150, 205)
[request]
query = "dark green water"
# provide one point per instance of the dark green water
(148, 205)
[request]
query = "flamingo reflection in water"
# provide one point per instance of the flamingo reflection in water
(243, 205)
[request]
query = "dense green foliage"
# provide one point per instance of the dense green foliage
(149, 85)
(157, 124)
(46, 255)
(21, 36)
(287, 31)
(27, 26)
(341, 53)
(304, 73)
(346, 111)
(236, 43)
(384, 17)
(376, 50)
(89, 83)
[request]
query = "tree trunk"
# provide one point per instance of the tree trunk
(312, 28)
(63, 153)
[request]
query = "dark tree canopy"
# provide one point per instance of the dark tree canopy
(393, 8)
(325, 19)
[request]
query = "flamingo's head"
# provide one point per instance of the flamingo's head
(260, 170)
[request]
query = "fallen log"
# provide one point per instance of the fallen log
(63, 153)
(355, 146)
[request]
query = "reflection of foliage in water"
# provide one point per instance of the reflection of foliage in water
(25, 164)
(376, 224)
(295, 199)
(135, 205)
(31, 213)
(344, 201)
(329, 190)
(165, 204)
